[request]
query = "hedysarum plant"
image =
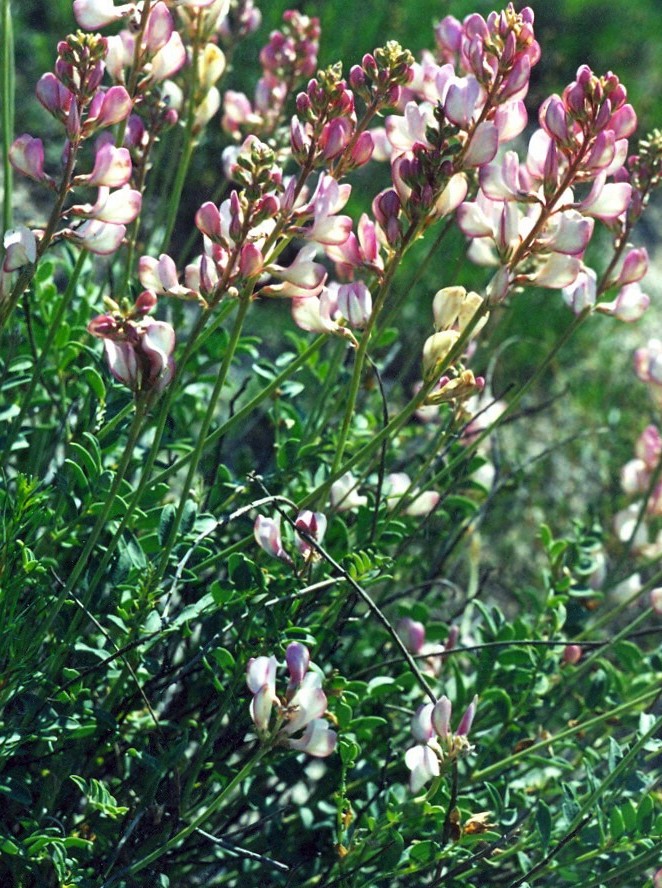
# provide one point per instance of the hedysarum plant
(291, 343)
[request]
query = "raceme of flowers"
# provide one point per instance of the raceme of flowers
(294, 719)
(285, 230)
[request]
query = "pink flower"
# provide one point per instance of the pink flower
(297, 658)
(634, 266)
(117, 207)
(160, 275)
(112, 168)
(649, 446)
(317, 314)
(410, 130)
(168, 60)
(412, 633)
(581, 293)
(398, 486)
(630, 304)
(27, 156)
(355, 304)
(300, 711)
(435, 743)
(102, 238)
(261, 680)
(268, 537)
(328, 227)
(20, 248)
(159, 28)
(314, 525)
(93, 14)
(107, 108)
(606, 201)
(54, 96)
(343, 495)
(360, 249)
(139, 353)
(572, 654)
(648, 362)
(302, 277)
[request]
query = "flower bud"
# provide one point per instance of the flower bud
(297, 658)
(572, 654)
(467, 719)
(355, 304)
(441, 717)
(412, 634)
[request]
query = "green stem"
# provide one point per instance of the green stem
(620, 874)
(213, 806)
(189, 145)
(204, 430)
(592, 800)
(585, 665)
(361, 352)
(109, 426)
(8, 96)
(102, 517)
(248, 408)
(195, 341)
(399, 420)
(53, 329)
(543, 745)
(136, 67)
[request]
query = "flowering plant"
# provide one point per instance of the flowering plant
(257, 408)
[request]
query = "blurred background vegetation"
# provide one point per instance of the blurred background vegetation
(594, 401)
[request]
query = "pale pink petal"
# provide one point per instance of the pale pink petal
(441, 716)
(261, 706)
(112, 167)
(93, 14)
(261, 671)
(317, 740)
(572, 233)
(421, 723)
(511, 120)
(169, 59)
(558, 271)
(452, 195)
(607, 201)
(99, 237)
(473, 222)
(423, 764)
(484, 144)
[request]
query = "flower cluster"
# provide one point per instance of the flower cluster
(74, 96)
(412, 633)
(436, 744)
(289, 57)
(280, 719)
(455, 312)
(138, 349)
(526, 218)
(309, 524)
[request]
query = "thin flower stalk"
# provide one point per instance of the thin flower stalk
(199, 817)
(169, 543)
(186, 151)
(99, 525)
(53, 329)
(8, 95)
